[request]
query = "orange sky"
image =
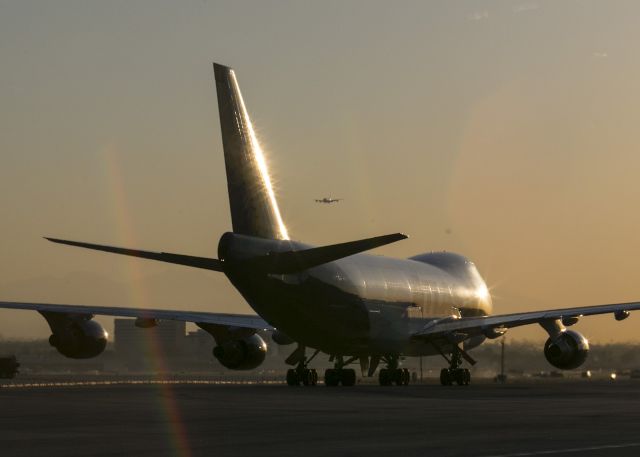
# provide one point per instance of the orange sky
(511, 125)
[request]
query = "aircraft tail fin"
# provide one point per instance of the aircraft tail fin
(254, 209)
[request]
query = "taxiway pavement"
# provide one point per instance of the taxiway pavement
(555, 418)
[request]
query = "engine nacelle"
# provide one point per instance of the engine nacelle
(621, 315)
(79, 339)
(243, 354)
(473, 342)
(567, 351)
(494, 332)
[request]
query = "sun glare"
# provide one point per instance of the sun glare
(482, 292)
(261, 162)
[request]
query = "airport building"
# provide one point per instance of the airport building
(149, 349)
(167, 337)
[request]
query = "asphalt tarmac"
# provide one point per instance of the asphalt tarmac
(555, 418)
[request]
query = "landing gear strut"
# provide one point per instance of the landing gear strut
(301, 374)
(339, 374)
(461, 376)
(392, 374)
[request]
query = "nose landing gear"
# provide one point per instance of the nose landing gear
(461, 376)
(455, 374)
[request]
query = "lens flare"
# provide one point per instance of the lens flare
(176, 436)
(482, 292)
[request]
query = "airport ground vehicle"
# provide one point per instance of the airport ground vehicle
(8, 367)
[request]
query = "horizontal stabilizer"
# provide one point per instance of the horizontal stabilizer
(188, 260)
(293, 261)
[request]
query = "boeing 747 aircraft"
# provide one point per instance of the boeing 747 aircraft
(328, 200)
(336, 300)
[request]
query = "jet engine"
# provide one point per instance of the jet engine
(241, 354)
(78, 338)
(566, 351)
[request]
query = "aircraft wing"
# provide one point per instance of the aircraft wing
(229, 320)
(487, 324)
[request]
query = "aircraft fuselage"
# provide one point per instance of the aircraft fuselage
(362, 304)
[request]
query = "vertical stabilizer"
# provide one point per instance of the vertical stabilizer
(254, 209)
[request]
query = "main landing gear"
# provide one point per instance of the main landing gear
(392, 374)
(455, 374)
(306, 376)
(340, 375)
(301, 374)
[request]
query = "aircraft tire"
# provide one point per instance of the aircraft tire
(331, 377)
(406, 377)
(384, 377)
(292, 377)
(348, 377)
(398, 377)
(445, 377)
(310, 377)
(462, 376)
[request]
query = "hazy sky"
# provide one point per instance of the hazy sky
(504, 130)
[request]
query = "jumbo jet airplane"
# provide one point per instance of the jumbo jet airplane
(332, 299)
(328, 200)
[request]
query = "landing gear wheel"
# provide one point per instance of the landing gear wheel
(309, 377)
(331, 377)
(397, 376)
(461, 376)
(344, 376)
(384, 378)
(348, 377)
(466, 376)
(401, 376)
(292, 377)
(445, 377)
(301, 374)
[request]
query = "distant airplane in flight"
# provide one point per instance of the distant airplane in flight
(328, 200)
(337, 300)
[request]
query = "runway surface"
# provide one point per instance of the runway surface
(556, 418)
